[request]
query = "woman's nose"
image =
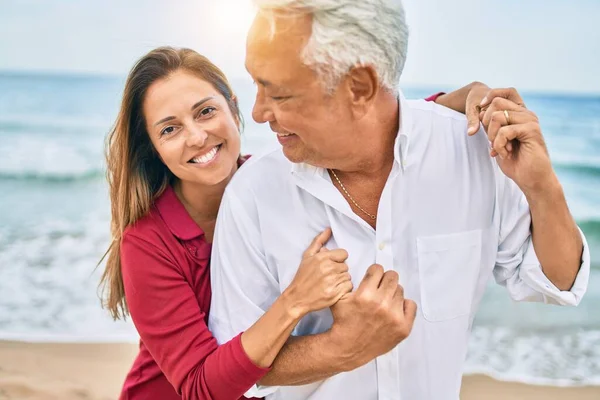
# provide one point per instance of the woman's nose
(196, 136)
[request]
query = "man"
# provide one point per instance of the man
(404, 190)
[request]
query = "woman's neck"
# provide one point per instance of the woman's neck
(202, 202)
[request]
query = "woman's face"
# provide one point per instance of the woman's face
(192, 129)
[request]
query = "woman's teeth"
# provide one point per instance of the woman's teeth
(284, 134)
(206, 158)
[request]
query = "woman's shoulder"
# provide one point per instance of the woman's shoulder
(153, 225)
(148, 228)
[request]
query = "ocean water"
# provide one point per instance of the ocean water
(54, 217)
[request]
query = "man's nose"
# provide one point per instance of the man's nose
(261, 112)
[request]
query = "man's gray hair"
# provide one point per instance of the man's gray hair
(348, 33)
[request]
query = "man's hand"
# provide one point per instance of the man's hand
(372, 320)
(516, 139)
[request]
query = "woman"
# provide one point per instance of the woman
(172, 151)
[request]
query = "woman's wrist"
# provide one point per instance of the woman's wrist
(292, 305)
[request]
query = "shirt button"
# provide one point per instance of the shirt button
(381, 246)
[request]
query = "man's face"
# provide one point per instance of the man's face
(312, 126)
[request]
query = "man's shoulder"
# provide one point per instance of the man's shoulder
(261, 173)
(428, 110)
(444, 126)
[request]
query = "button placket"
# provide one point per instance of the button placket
(192, 249)
(387, 364)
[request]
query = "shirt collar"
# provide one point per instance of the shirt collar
(401, 143)
(176, 216)
(402, 140)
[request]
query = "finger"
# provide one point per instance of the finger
(512, 132)
(499, 104)
(323, 249)
(399, 293)
(372, 278)
(344, 290)
(473, 121)
(389, 284)
(410, 312)
(344, 279)
(499, 120)
(317, 243)
(338, 267)
(337, 255)
(508, 93)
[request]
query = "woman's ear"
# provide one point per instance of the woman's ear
(234, 100)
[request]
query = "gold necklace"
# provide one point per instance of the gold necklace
(372, 216)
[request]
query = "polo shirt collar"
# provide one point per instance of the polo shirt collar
(176, 216)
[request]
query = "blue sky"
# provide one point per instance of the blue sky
(551, 45)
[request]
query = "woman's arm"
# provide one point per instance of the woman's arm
(472, 99)
(166, 314)
(321, 280)
(165, 311)
(466, 101)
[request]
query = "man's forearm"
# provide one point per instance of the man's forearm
(306, 359)
(556, 238)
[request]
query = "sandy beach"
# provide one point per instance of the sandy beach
(65, 371)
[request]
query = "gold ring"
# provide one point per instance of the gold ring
(507, 117)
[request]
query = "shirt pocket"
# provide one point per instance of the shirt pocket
(448, 270)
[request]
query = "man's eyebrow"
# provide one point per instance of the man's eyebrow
(264, 82)
(268, 84)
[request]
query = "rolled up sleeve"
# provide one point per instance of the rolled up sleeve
(517, 266)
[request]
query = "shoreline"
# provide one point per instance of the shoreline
(95, 371)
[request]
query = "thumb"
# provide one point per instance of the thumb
(317, 244)
(473, 119)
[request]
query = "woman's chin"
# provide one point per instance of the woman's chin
(219, 174)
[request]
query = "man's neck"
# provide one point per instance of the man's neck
(374, 155)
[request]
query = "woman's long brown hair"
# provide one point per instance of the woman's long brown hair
(135, 174)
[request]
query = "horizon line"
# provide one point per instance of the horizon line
(408, 85)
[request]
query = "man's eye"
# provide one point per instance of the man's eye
(280, 98)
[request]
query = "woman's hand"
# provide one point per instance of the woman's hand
(470, 100)
(321, 280)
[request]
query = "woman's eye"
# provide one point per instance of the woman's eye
(206, 111)
(167, 131)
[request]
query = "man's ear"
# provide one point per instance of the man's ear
(363, 85)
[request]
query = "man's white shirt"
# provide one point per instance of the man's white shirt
(448, 220)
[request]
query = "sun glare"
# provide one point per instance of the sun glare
(232, 16)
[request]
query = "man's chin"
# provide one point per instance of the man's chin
(293, 155)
